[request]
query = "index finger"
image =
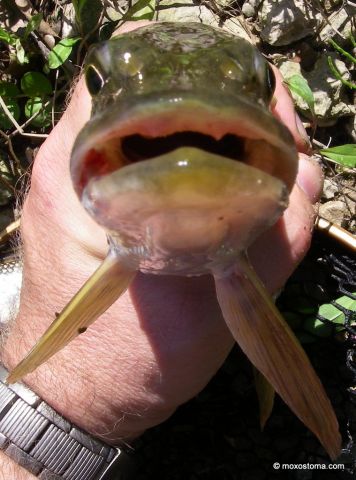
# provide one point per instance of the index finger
(284, 110)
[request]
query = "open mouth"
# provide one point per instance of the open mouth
(173, 180)
(252, 137)
(118, 152)
(136, 148)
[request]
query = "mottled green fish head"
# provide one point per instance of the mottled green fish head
(182, 161)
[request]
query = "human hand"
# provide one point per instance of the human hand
(162, 341)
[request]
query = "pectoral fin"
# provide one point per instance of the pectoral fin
(271, 346)
(265, 394)
(106, 284)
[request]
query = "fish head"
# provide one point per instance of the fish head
(182, 161)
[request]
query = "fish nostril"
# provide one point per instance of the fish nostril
(136, 147)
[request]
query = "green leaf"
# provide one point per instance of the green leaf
(298, 85)
(34, 105)
(338, 75)
(7, 37)
(142, 10)
(14, 109)
(33, 24)
(342, 51)
(343, 154)
(60, 52)
(21, 56)
(332, 313)
(35, 84)
(8, 89)
(87, 14)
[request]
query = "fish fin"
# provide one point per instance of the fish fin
(265, 395)
(98, 293)
(271, 346)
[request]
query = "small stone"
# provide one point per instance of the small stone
(331, 100)
(248, 10)
(331, 5)
(286, 22)
(334, 211)
(288, 68)
(185, 12)
(250, 7)
(10, 19)
(340, 21)
(330, 189)
(68, 23)
(50, 40)
(349, 196)
(234, 26)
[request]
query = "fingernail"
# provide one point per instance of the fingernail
(310, 177)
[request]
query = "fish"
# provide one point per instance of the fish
(184, 166)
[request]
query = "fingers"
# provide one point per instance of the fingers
(277, 252)
(284, 110)
(310, 177)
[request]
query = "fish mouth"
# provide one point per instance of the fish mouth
(238, 131)
(136, 148)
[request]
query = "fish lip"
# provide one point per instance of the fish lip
(183, 206)
(165, 114)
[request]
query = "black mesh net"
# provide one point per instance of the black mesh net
(217, 434)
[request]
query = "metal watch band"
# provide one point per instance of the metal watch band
(46, 444)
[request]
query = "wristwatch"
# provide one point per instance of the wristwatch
(46, 444)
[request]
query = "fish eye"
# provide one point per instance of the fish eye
(94, 80)
(231, 68)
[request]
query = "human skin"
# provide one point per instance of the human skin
(163, 340)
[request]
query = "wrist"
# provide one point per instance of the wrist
(35, 437)
(10, 469)
(95, 382)
(78, 385)
(70, 381)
